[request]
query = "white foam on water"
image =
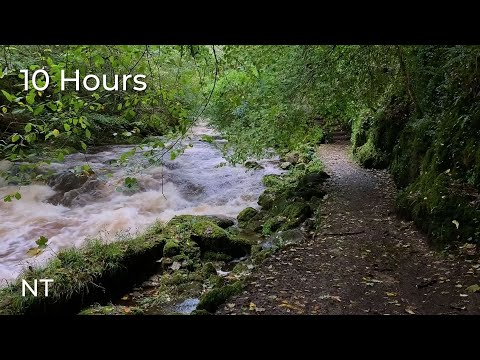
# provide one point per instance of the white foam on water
(192, 184)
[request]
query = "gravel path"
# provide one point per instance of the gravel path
(364, 260)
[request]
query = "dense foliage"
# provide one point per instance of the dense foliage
(33, 121)
(413, 109)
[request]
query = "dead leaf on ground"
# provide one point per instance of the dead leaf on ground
(125, 297)
(252, 306)
(473, 288)
(34, 251)
(332, 297)
(410, 310)
(285, 304)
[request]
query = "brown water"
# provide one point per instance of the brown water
(192, 184)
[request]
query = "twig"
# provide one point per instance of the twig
(344, 233)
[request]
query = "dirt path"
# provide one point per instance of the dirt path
(384, 266)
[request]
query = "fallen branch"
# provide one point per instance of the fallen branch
(345, 233)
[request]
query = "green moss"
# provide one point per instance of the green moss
(272, 224)
(261, 256)
(211, 300)
(272, 180)
(435, 203)
(369, 156)
(177, 278)
(246, 215)
(221, 221)
(215, 256)
(171, 249)
(208, 230)
(266, 200)
(216, 281)
(79, 273)
(208, 269)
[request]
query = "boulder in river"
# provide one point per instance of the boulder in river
(250, 164)
(285, 165)
(292, 157)
(66, 181)
(246, 215)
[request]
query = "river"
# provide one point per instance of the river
(196, 182)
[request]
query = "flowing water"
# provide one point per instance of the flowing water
(73, 209)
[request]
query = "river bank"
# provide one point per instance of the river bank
(191, 262)
(69, 207)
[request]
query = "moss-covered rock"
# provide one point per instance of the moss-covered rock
(246, 214)
(272, 180)
(211, 300)
(272, 224)
(171, 249)
(219, 220)
(266, 199)
(208, 269)
(295, 213)
(216, 256)
(292, 157)
(222, 221)
(216, 281)
(210, 237)
(250, 164)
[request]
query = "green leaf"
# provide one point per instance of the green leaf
(52, 106)
(130, 182)
(61, 156)
(7, 198)
(66, 127)
(75, 121)
(38, 110)
(84, 146)
(30, 97)
(42, 242)
(15, 137)
(18, 196)
(87, 133)
(28, 127)
(173, 155)
(9, 96)
(119, 106)
(1, 73)
(55, 132)
(207, 138)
